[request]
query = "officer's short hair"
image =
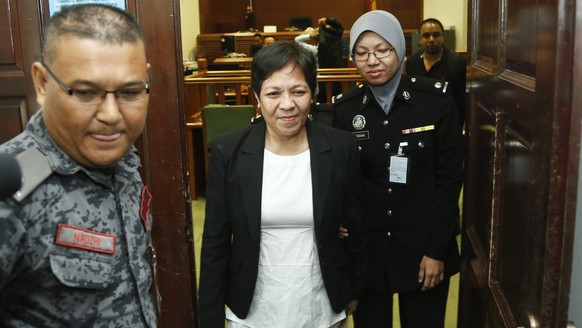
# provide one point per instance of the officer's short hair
(90, 21)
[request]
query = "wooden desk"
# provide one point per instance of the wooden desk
(244, 61)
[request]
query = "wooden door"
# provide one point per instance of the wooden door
(162, 145)
(523, 136)
(19, 47)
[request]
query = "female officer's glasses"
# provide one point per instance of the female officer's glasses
(379, 53)
(127, 96)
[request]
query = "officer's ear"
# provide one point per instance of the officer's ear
(39, 78)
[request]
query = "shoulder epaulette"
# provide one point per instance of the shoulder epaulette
(427, 84)
(348, 94)
(35, 169)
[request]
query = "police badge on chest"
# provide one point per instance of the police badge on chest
(359, 123)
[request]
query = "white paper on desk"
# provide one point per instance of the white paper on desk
(270, 28)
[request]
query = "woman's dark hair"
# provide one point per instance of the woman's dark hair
(277, 55)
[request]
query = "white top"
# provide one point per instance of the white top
(289, 290)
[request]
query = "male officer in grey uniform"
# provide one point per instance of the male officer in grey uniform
(411, 148)
(75, 240)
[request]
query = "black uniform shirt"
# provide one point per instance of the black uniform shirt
(420, 217)
(452, 68)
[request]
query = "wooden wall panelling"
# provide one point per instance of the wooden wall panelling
(209, 44)
(215, 13)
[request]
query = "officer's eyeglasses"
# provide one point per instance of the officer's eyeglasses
(435, 35)
(127, 96)
(379, 53)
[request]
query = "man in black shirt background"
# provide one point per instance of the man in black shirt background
(436, 61)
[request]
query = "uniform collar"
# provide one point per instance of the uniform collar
(63, 164)
(403, 94)
(368, 96)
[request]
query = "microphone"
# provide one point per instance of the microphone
(10, 176)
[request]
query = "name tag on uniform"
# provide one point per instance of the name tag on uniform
(76, 237)
(398, 169)
(362, 135)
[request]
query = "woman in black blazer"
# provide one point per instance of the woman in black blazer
(277, 193)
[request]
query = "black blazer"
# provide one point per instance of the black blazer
(230, 246)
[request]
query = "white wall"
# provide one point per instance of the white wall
(190, 22)
(450, 13)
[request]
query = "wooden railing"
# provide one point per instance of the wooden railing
(208, 87)
(233, 87)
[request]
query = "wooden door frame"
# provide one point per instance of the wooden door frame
(166, 164)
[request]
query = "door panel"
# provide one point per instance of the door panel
(478, 193)
(515, 248)
(484, 20)
(17, 97)
(13, 117)
(520, 13)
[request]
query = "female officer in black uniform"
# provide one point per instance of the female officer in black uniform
(411, 160)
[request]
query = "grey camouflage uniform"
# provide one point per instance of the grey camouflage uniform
(47, 284)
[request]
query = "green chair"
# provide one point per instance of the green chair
(219, 119)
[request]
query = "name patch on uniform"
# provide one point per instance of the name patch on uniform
(76, 237)
(362, 135)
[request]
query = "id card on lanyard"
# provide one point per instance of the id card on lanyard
(398, 172)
